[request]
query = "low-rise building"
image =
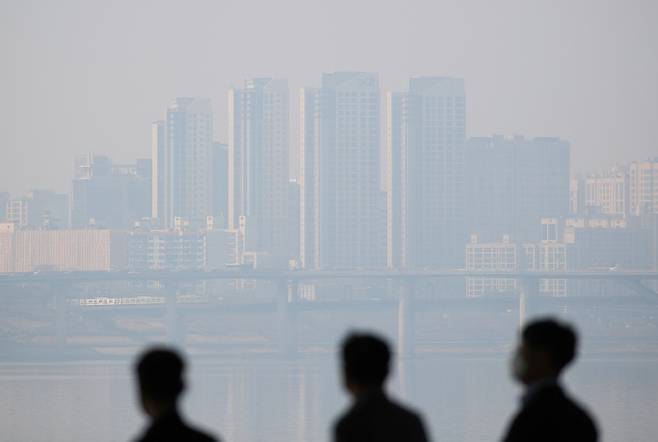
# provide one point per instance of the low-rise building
(643, 186)
(507, 256)
(604, 244)
(170, 250)
(222, 249)
(60, 250)
(607, 192)
(490, 257)
(184, 249)
(17, 213)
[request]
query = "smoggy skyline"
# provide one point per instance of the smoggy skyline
(91, 77)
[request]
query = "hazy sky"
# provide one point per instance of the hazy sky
(90, 76)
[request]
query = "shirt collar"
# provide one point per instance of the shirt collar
(535, 388)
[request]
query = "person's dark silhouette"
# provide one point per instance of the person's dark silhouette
(160, 379)
(373, 417)
(547, 413)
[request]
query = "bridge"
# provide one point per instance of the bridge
(286, 283)
(311, 275)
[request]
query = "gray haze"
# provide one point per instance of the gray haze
(90, 76)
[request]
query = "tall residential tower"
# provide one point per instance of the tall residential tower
(158, 143)
(425, 174)
(186, 162)
(258, 172)
(513, 183)
(342, 205)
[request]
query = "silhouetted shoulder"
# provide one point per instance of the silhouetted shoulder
(174, 429)
(379, 419)
(552, 416)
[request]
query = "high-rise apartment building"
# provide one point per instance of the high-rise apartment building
(219, 180)
(576, 195)
(107, 195)
(643, 184)
(187, 155)
(293, 225)
(258, 166)
(607, 192)
(17, 212)
(513, 183)
(308, 179)
(650, 224)
(4, 199)
(158, 149)
(47, 209)
(425, 174)
(342, 205)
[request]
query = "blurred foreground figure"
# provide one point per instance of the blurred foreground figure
(545, 349)
(373, 417)
(160, 375)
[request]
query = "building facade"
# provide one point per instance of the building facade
(499, 256)
(158, 149)
(170, 250)
(608, 243)
(258, 166)
(219, 179)
(187, 180)
(425, 135)
(513, 183)
(643, 187)
(61, 250)
(342, 203)
(109, 196)
(550, 254)
(4, 199)
(17, 213)
(607, 193)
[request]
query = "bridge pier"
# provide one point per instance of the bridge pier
(60, 292)
(527, 288)
(173, 333)
(406, 317)
(286, 293)
(60, 319)
(406, 377)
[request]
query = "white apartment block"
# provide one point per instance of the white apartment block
(17, 212)
(608, 192)
(643, 183)
(490, 257)
(506, 256)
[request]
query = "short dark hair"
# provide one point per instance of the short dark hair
(558, 339)
(160, 374)
(366, 359)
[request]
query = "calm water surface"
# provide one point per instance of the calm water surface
(256, 399)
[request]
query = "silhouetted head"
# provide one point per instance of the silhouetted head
(160, 376)
(366, 360)
(546, 348)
